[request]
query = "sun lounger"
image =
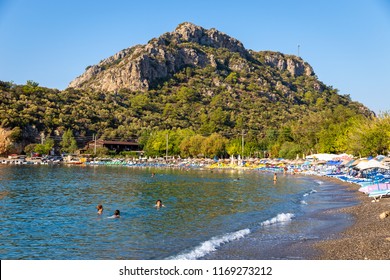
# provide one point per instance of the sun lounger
(375, 187)
(376, 195)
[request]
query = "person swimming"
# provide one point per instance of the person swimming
(117, 214)
(100, 209)
(159, 204)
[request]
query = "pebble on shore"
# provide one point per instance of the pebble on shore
(384, 215)
(367, 239)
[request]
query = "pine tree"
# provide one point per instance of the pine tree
(68, 143)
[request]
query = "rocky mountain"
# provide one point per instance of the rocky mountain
(142, 67)
(195, 79)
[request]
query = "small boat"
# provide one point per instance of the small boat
(73, 162)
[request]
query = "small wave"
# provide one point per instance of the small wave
(303, 202)
(211, 245)
(310, 192)
(319, 182)
(280, 218)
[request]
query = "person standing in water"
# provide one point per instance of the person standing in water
(275, 177)
(100, 209)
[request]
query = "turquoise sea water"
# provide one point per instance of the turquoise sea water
(49, 212)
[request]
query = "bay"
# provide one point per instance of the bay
(49, 212)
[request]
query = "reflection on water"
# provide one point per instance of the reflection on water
(49, 212)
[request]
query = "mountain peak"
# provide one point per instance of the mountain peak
(189, 32)
(189, 45)
(188, 29)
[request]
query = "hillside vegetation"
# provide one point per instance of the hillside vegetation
(207, 92)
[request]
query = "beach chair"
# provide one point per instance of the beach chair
(376, 195)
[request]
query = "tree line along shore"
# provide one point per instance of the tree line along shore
(363, 138)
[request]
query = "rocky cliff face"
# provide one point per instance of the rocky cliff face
(14, 140)
(292, 64)
(7, 145)
(4, 140)
(140, 67)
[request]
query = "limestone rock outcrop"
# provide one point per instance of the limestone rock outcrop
(142, 66)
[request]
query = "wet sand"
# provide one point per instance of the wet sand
(367, 239)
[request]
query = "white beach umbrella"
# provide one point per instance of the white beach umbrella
(371, 164)
(325, 157)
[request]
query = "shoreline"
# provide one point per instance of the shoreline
(368, 238)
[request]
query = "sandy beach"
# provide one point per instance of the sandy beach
(367, 239)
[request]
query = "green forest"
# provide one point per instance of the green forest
(227, 122)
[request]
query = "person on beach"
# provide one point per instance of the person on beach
(100, 209)
(159, 204)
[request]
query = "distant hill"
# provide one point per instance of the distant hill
(191, 78)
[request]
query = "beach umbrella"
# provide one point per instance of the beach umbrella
(299, 161)
(371, 164)
(333, 162)
(324, 157)
(346, 162)
(345, 157)
(356, 162)
(380, 157)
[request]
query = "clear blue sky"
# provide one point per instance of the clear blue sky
(346, 42)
